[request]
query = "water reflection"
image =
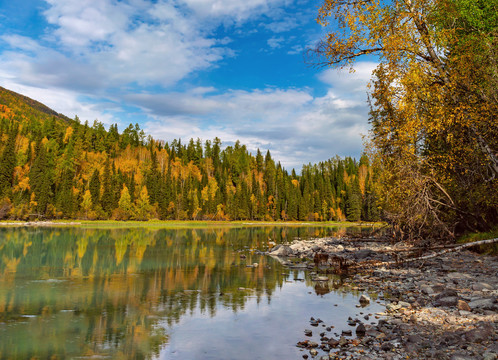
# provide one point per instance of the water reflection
(72, 292)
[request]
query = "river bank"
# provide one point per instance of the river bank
(442, 308)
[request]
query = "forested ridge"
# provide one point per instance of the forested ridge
(54, 167)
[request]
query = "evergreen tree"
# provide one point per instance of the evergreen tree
(41, 179)
(8, 162)
(94, 187)
(107, 194)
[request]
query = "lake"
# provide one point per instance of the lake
(159, 293)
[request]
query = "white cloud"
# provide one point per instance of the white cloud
(236, 10)
(103, 49)
(295, 125)
(65, 102)
(275, 42)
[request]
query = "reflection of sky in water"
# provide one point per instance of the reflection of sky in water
(120, 293)
(262, 330)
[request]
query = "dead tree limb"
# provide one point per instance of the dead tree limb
(364, 265)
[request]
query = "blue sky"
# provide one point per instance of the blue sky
(187, 69)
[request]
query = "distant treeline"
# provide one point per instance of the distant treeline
(53, 167)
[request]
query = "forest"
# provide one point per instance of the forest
(430, 167)
(53, 167)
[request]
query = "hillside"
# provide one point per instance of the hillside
(56, 167)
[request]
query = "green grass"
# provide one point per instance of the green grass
(491, 249)
(195, 224)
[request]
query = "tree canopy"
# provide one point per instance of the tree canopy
(433, 105)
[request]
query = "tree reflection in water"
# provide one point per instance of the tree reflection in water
(82, 292)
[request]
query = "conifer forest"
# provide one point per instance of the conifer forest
(54, 167)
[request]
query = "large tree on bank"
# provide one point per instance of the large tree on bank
(434, 105)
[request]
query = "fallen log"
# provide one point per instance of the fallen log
(365, 265)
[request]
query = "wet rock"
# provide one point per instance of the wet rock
(313, 352)
(347, 332)
(386, 346)
(281, 250)
(302, 344)
(364, 299)
(308, 332)
(360, 330)
(343, 341)
(333, 342)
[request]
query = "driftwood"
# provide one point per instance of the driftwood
(364, 265)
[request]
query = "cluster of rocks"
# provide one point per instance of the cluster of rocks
(444, 308)
(306, 251)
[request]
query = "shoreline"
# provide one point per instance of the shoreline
(443, 308)
(186, 223)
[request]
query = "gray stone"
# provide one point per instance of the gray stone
(482, 286)
(490, 356)
(414, 338)
(426, 289)
(405, 304)
(483, 304)
(360, 330)
(393, 307)
(447, 301)
(364, 299)
(459, 276)
(343, 341)
(480, 334)
(281, 250)
(447, 293)
(461, 357)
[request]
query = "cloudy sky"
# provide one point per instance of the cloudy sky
(185, 69)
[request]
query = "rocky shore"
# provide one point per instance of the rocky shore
(442, 308)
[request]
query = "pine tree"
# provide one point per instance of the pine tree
(41, 179)
(107, 195)
(94, 187)
(8, 163)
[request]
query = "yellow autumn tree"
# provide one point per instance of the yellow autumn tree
(433, 106)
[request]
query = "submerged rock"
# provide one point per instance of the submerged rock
(364, 299)
(281, 250)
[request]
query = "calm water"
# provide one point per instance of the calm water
(159, 293)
